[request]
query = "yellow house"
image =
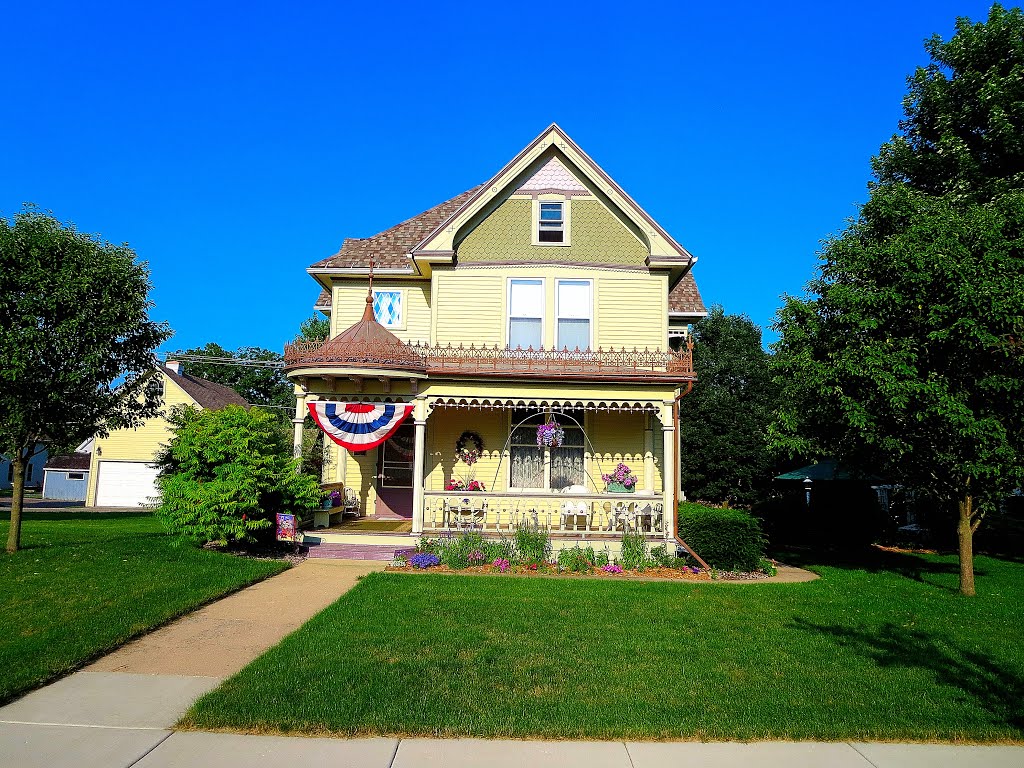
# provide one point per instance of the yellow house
(121, 471)
(544, 295)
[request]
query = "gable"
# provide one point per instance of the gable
(505, 236)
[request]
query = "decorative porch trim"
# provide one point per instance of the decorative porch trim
(507, 403)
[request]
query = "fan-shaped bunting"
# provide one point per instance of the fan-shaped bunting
(358, 426)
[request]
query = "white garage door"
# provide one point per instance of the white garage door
(125, 484)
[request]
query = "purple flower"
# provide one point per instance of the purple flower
(424, 560)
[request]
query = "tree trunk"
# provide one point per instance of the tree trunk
(17, 501)
(965, 534)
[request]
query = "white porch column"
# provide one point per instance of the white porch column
(419, 415)
(297, 422)
(648, 453)
(668, 471)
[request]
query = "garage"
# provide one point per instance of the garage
(125, 484)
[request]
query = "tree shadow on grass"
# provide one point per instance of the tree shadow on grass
(78, 514)
(874, 560)
(997, 690)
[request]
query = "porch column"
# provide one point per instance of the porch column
(668, 472)
(297, 422)
(648, 453)
(419, 415)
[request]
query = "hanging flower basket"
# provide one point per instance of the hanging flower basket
(621, 480)
(550, 434)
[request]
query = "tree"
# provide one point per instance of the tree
(906, 355)
(76, 341)
(315, 328)
(264, 385)
(226, 474)
(725, 419)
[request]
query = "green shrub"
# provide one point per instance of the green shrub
(227, 473)
(634, 552)
(462, 550)
(533, 543)
(727, 539)
(502, 547)
(661, 556)
(602, 558)
(576, 560)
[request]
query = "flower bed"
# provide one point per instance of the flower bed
(529, 554)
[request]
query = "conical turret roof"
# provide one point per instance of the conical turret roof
(368, 344)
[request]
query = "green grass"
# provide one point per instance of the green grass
(890, 651)
(85, 583)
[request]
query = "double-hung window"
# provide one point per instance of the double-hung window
(526, 314)
(573, 305)
(551, 222)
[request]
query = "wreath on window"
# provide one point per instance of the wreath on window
(469, 447)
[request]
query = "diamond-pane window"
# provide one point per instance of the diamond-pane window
(387, 308)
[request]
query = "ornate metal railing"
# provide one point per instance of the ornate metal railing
(612, 363)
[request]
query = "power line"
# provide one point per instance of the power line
(236, 361)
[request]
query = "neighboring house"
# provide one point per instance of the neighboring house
(545, 293)
(33, 470)
(121, 473)
(66, 478)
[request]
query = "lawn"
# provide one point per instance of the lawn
(890, 651)
(85, 583)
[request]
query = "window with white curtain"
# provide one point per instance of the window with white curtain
(526, 313)
(566, 464)
(574, 307)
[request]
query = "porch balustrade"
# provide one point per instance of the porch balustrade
(608, 514)
(435, 359)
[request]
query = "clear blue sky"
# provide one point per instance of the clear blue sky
(233, 145)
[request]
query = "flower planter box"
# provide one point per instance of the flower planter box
(619, 488)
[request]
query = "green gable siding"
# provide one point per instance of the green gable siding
(597, 236)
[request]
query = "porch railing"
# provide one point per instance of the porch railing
(603, 513)
(437, 359)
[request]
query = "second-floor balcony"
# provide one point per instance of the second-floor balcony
(450, 360)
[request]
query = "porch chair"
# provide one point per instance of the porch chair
(575, 510)
(467, 513)
(351, 505)
(624, 514)
(653, 511)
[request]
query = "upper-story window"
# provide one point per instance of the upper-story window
(526, 314)
(551, 222)
(574, 308)
(155, 385)
(387, 308)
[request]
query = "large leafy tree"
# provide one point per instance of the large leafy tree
(314, 328)
(906, 354)
(76, 341)
(725, 419)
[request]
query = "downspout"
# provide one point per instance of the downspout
(677, 469)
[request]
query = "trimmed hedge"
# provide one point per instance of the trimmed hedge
(728, 539)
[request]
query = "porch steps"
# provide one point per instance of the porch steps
(355, 551)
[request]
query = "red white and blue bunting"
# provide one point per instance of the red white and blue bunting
(358, 426)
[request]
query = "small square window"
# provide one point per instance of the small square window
(551, 223)
(76, 476)
(387, 308)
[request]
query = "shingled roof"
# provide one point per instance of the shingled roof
(207, 394)
(69, 461)
(389, 248)
(685, 298)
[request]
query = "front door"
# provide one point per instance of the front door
(394, 473)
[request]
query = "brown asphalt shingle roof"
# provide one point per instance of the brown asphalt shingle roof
(685, 297)
(389, 248)
(69, 461)
(209, 395)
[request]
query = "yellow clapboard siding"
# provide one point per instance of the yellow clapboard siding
(469, 308)
(349, 301)
(632, 311)
(139, 444)
(443, 430)
(620, 437)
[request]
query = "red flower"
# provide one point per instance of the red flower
(244, 518)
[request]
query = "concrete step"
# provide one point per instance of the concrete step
(355, 551)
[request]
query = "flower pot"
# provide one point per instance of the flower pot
(327, 503)
(618, 488)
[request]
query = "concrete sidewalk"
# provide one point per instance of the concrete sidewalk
(56, 747)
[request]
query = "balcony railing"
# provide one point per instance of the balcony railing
(483, 360)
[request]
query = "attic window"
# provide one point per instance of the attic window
(551, 223)
(155, 386)
(387, 308)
